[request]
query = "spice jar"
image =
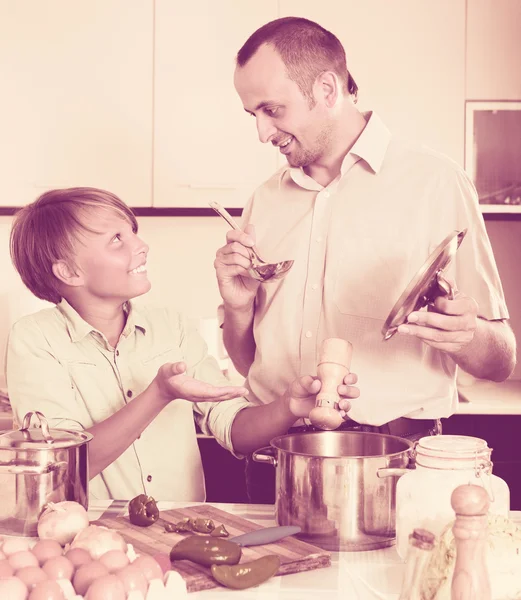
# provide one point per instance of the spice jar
(444, 462)
(421, 543)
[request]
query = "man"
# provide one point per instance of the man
(359, 211)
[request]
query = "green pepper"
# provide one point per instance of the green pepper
(186, 524)
(206, 551)
(245, 575)
(143, 511)
(219, 531)
(203, 525)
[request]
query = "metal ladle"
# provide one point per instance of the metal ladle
(260, 269)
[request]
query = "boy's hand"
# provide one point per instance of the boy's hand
(303, 391)
(172, 383)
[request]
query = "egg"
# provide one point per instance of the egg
(23, 558)
(31, 576)
(58, 567)
(114, 560)
(6, 570)
(133, 579)
(163, 560)
(106, 588)
(13, 588)
(149, 567)
(47, 590)
(12, 545)
(78, 556)
(86, 574)
(45, 549)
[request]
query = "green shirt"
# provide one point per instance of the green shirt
(60, 365)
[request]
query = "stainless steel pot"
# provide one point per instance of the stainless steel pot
(339, 487)
(37, 466)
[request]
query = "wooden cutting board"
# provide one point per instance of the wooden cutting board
(295, 555)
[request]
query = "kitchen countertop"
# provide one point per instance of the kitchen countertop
(371, 575)
(490, 398)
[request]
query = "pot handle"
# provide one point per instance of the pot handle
(392, 472)
(399, 471)
(265, 455)
(43, 424)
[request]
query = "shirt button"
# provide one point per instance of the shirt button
(308, 334)
(319, 239)
(314, 286)
(129, 393)
(326, 194)
(149, 478)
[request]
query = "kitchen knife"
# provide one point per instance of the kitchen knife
(267, 535)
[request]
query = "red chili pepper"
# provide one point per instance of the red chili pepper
(143, 511)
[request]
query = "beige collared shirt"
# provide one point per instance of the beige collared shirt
(357, 243)
(58, 364)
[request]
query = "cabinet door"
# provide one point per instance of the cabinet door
(205, 145)
(408, 59)
(76, 101)
(494, 50)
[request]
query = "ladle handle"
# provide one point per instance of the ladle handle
(220, 210)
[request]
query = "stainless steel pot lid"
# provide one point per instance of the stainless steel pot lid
(41, 437)
(426, 285)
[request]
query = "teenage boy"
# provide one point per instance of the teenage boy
(133, 377)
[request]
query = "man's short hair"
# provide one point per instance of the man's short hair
(307, 50)
(44, 232)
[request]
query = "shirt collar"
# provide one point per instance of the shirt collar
(78, 328)
(370, 147)
(373, 142)
(135, 318)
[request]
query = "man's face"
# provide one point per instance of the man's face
(111, 263)
(283, 114)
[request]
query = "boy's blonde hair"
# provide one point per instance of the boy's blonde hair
(43, 233)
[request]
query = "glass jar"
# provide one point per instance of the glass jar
(443, 462)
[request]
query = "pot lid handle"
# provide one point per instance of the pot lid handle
(43, 424)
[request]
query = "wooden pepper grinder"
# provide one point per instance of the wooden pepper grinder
(333, 365)
(470, 580)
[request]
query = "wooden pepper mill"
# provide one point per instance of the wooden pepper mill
(470, 580)
(333, 365)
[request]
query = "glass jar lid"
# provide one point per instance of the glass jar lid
(41, 437)
(458, 445)
(453, 452)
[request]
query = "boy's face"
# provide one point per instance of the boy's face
(111, 263)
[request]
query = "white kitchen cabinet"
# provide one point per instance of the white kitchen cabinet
(76, 101)
(493, 50)
(408, 59)
(205, 145)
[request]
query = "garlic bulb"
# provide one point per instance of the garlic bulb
(62, 521)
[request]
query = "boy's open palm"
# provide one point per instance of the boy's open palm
(174, 383)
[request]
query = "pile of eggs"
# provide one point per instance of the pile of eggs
(44, 571)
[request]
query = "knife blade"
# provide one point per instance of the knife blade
(267, 535)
